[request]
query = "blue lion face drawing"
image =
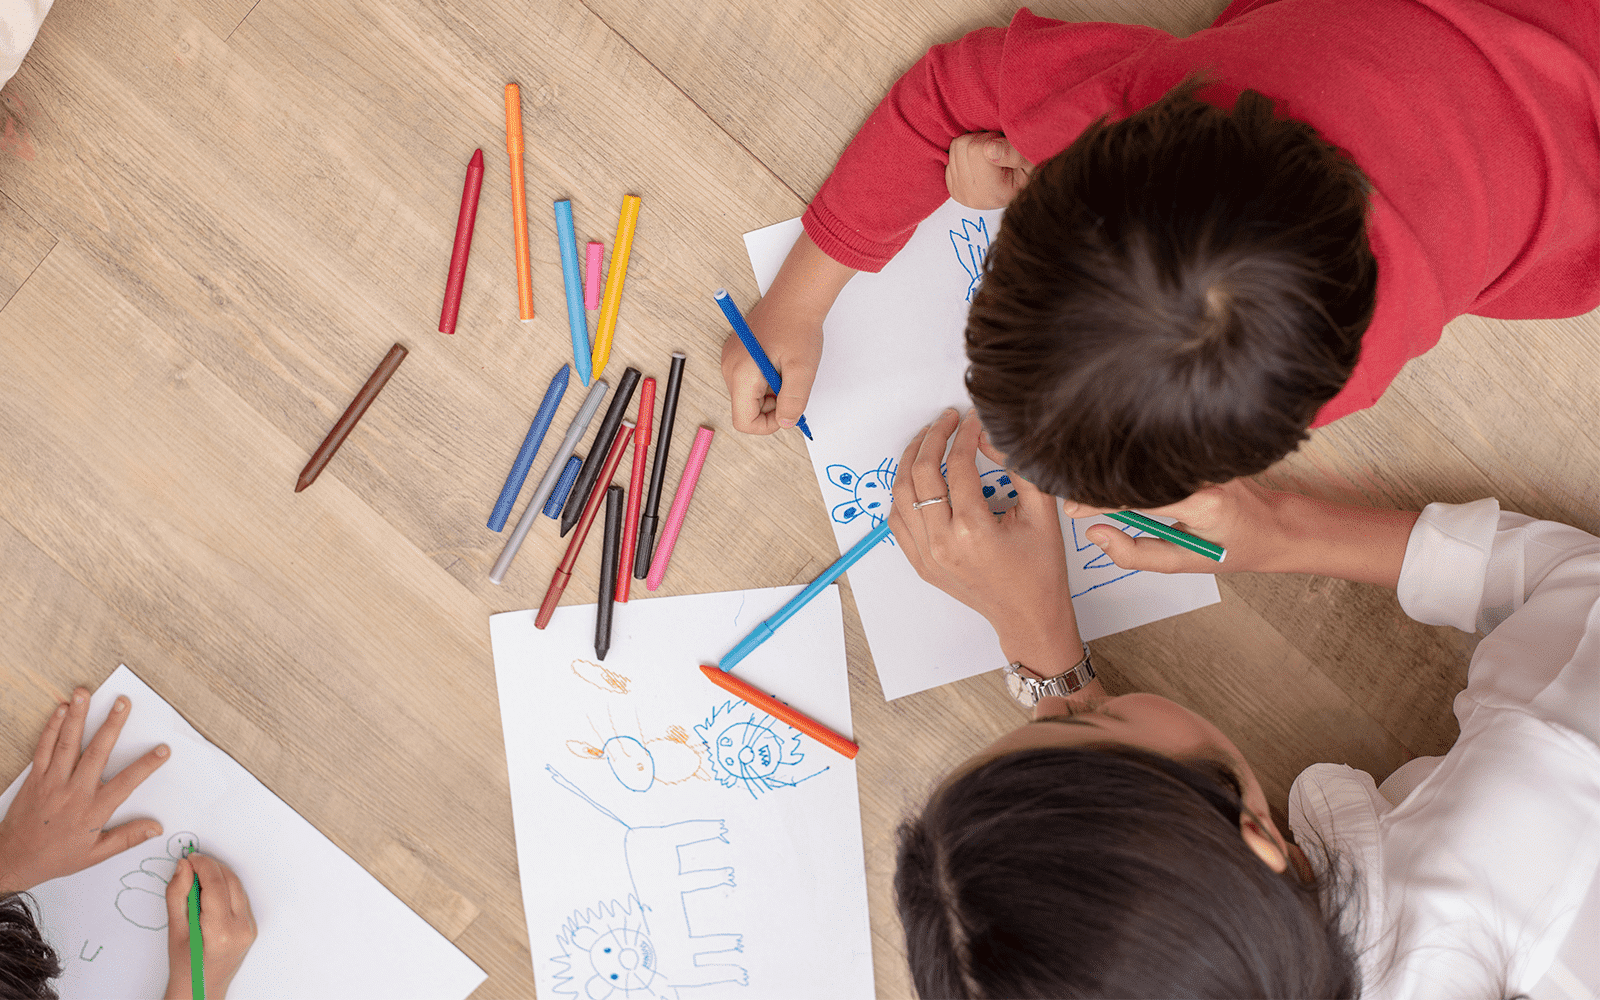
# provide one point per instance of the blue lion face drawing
(751, 749)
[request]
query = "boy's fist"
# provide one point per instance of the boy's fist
(227, 927)
(985, 170)
(793, 344)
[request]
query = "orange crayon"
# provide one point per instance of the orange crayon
(778, 710)
(519, 201)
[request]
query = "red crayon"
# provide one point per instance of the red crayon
(458, 256)
(630, 523)
(778, 710)
(563, 573)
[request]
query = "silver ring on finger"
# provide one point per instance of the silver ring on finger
(928, 503)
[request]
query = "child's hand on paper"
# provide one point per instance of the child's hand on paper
(985, 171)
(56, 825)
(1011, 569)
(227, 927)
(788, 323)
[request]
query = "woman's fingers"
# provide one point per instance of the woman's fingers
(927, 470)
(901, 516)
(45, 752)
(1147, 552)
(967, 502)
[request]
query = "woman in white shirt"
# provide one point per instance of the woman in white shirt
(1123, 846)
(19, 25)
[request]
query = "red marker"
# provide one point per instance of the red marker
(563, 573)
(630, 523)
(458, 257)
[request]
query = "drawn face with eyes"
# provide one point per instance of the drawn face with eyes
(623, 961)
(869, 491)
(749, 751)
(632, 764)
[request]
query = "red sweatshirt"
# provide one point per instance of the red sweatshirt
(1478, 125)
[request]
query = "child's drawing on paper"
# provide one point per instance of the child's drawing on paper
(647, 945)
(752, 749)
(971, 243)
(639, 763)
(870, 491)
(1099, 569)
(606, 680)
(142, 901)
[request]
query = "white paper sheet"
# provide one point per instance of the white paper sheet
(673, 841)
(325, 926)
(892, 360)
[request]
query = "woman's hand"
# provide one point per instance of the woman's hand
(227, 927)
(1012, 569)
(1268, 532)
(985, 171)
(56, 824)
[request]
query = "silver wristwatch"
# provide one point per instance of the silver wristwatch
(1028, 689)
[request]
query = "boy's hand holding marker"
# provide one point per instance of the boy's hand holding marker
(227, 927)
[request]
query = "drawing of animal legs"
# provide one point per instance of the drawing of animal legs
(663, 880)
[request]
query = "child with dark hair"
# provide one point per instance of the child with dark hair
(56, 826)
(1230, 238)
(1124, 847)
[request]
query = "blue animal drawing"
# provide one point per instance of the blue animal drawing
(751, 749)
(647, 945)
(971, 244)
(639, 763)
(1101, 561)
(870, 491)
(142, 900)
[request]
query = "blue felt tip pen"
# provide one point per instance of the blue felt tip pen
(751, 344)
(762, 632)
(572, 276)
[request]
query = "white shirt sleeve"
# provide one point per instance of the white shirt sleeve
(19, 25)
(1470, 884)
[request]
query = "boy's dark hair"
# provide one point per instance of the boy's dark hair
(27, 962)
(1170, 300)
(1105, 872)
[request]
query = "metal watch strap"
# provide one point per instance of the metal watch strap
(1070, 681)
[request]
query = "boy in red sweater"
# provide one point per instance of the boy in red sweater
(1231, 237)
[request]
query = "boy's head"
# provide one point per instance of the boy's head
(1170, 300)
(27, 962)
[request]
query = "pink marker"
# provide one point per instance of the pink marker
(591, 288)
(680, 507)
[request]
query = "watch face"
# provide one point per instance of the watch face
(1020, 688)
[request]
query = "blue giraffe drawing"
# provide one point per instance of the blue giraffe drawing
(870, 491)
(1101, 562)
(646, 946)
(750, 749)
(971, 244)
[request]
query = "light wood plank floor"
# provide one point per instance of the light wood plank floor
(216, 215)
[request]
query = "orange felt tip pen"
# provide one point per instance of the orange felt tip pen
(778, 710)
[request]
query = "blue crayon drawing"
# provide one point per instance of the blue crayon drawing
(869, 491)
(1101, 561)
(646, 945)
(752, 749)
(971, 244)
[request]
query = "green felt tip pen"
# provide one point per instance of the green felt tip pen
(1211, 550)
(197, 946)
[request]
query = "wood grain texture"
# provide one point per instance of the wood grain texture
(216, 214)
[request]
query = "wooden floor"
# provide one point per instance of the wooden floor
(216, 216)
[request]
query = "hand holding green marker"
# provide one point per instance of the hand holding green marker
(1149, 525)
(197, 947)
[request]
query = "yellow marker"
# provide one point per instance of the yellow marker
(620, 248)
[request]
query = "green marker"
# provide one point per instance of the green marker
(197, 946)
(1211, 550)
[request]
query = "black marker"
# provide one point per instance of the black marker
(652, 503)
(609, 556)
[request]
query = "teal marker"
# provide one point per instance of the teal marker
(197, 946)
(1165, 532)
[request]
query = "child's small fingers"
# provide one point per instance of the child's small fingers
(69, 740)
(93, 763)
(178, 897)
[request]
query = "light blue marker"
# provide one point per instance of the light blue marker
(572, 274)
(761, 633)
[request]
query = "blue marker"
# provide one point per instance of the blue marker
(761, 633)
(572, 274)
(558, 498)
(751, 344)
(530, 448)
